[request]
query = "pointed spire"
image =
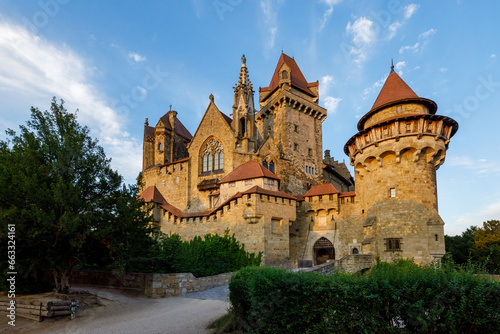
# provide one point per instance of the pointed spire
(244, 78)
(392, 65)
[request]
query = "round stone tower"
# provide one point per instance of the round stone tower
(400, 144)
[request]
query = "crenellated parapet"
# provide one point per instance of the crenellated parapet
(294, 102)
(425, 135)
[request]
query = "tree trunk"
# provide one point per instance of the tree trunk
(61, 279)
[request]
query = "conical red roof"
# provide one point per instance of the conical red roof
(297, 78)
(394, 89)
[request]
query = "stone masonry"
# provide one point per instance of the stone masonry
(261, 174)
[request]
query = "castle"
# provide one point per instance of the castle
(260, 173)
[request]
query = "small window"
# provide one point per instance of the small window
(408, 127)
(331, 197)
(355, 251)
(296, 128)
(320, 198)
(393, 245)
(436, 237)
(284, 75)
(295, 147)
(392, 192)
(160, 147)
(264, 163)
(309, 151)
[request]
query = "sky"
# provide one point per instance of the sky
(119, 62)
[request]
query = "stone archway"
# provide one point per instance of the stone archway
(323, 251)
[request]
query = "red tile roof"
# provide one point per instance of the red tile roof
(228, 119)
(321, 189)
(297, 78)
(152, 194)
(149, 134)
(179, 127)
(249, 170)
(395, 90)
(262, 191)
(348, 194)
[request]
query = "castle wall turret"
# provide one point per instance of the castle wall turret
(400, 145)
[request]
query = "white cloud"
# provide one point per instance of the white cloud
(362, 31)
(399, 67)
(331, 103)
(270, 19)
(480, 167)
(325, 84)
(493, 56)
(410, 10)
(136, 57)
(489, 211)
(427, 33)
(443, 70)
(363, 35)
(423, 37)
(393, 29)
(375, 87)
(413, 48)
(328, 12)
(34, 70)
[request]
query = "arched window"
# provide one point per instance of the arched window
(355, 250)
(264, 163)
(160, 147)
(212, 157)
(271, 166)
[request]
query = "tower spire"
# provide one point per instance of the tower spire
(392, 65)
(244, 78)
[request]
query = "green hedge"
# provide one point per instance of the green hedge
(393, 298)
(211, 255)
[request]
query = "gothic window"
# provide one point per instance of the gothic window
(212, 157)
(264, 163)
(160, 147)
(393, 245)
(271, 166)
(355, 250)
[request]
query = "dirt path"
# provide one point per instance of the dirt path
(122, 314)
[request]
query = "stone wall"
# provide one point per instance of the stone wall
(152, 285)
(164, 285)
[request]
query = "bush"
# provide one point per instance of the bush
(393, 298)
(211, 255)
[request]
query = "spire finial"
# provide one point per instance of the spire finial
(170, 107)
(211, 97)
(243, 59)
(392, 65)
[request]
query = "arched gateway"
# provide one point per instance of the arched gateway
(323, 251)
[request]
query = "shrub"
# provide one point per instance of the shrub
(393, 298)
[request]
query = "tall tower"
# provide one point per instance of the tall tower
(291, 117)
(244, 111)
(400, 144)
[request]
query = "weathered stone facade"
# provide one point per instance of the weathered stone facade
(262, 174)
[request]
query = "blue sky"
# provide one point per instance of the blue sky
(119, 62)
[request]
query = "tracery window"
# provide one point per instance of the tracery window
(212, 157)
(393, 244)
(269, 164)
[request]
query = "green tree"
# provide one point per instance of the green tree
(57, 188)
(487, 242)
(461, 247)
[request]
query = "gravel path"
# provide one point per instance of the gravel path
(219, 293)
(123, 314)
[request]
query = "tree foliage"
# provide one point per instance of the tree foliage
(211, 255)
(477, 246)
(58, 189)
